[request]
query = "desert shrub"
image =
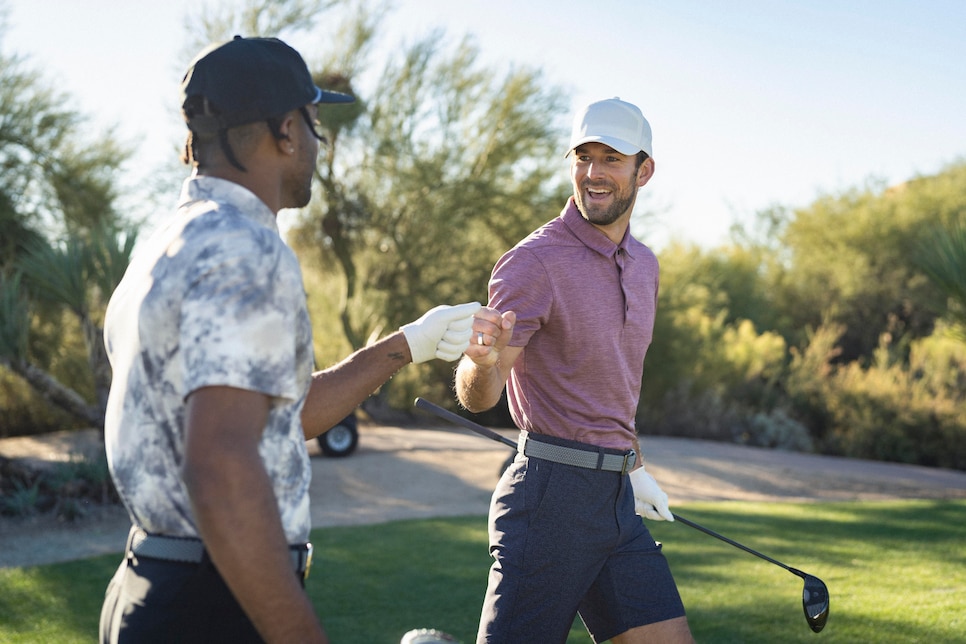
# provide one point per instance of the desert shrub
(807, 382)
(64, 489)
(706, 377)
(21, 499)
(689, 412)
(938, 361)
(907, 412)
(775, 429)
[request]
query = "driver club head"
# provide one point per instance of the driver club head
(815, 602)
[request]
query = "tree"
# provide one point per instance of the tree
(219, 21)
(79, 275)
(426, 178)
(52, 182)
(853, 284)
(852, 259)
(57, 195)
(14, 332)
(445, 170)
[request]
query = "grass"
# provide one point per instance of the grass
(896, 572)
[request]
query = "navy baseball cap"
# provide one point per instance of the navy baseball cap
(246, 80)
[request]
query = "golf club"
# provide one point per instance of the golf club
(446, 414)
(815, 598)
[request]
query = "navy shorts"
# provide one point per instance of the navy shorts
(565, 541)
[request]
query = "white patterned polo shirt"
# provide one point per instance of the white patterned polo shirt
(214, 297)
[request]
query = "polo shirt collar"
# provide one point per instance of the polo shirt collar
(590, 235)
(243, 201)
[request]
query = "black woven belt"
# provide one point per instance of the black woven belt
(591, 460)
(191, 550)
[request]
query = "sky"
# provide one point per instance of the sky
(753, 103)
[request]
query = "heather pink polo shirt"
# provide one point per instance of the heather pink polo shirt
(585, 314)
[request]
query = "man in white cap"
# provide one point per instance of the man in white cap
(213, 396)
(569, 320)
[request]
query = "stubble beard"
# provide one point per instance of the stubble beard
(298, 187)
(304, 194)
(603, 215)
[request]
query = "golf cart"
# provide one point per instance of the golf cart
(342, 439)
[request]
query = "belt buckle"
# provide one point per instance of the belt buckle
(627, 457)
(308, 561)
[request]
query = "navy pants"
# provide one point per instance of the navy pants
(149, 600)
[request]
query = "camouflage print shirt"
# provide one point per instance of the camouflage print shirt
(215, 297)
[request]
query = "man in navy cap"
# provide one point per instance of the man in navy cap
(213, 395)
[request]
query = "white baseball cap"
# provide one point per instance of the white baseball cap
(612, 122)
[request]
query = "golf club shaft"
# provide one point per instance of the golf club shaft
(734, 543)
(445, 414)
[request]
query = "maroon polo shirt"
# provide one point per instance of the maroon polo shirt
(585, 315)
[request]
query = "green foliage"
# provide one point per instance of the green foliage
(59, 275)
(21, 499)
(14, 319)
(18, 235)
(942, 257)
(373, 583)
(64, 489)
(81, 272)
(40, 348)
(809, 375)
(25, 412)
(826, 323)
(219, 21)
(708, 373)
(76, 276)
(896, 411)
(939, 362)
(777, 429)
(852, 261)
(422, 192)
(57, 194)
(51, 178)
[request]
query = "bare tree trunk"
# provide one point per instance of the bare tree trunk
(333, 229)
(56, 393)
(100, 365)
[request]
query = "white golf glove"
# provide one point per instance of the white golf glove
(650, 501)
(443, 332)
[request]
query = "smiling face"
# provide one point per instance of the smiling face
(605, 184)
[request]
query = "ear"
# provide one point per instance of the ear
(645, 172)
(286, 129)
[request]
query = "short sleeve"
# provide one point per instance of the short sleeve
(519, 283)
(237, 317)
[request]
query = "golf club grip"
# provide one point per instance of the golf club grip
(445, 414)
(732, 542)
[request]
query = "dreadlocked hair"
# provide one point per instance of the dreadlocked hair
(196, 107)
(197, 110)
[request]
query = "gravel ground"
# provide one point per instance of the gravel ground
(428, 471)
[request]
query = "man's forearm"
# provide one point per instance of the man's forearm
(478, 387)
(338, 390)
